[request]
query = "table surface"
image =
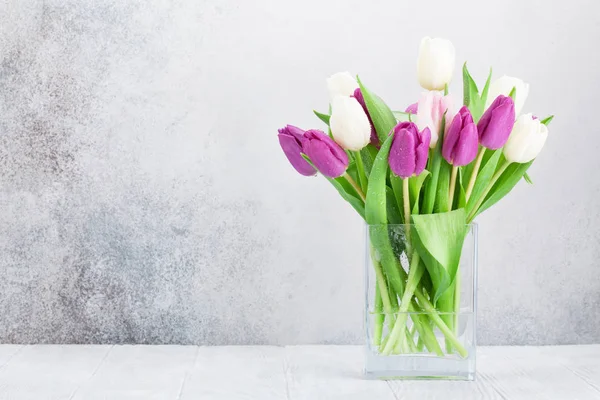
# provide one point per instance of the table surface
(294, 372)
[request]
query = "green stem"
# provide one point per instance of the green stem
(355, 186)
(474, 173)
(445, 307)
(456, 300)
(362, 177)
(426, 335)
(414, 277)
(406, 200)
(487, 190)
(379, 317)
(383, 289)
(452, 186)
(437, 321)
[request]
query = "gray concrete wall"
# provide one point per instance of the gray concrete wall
(144, 197)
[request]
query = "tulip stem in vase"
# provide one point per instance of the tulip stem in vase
(456, 300)
(355, 186)
(379, 317)
(474, 173)
(437, 321)
(414, 277)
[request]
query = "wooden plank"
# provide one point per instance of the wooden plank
(48, 372)
(293, 373)
(8, 351)
(537, 372)
(237, 372)
(139, 372)
(331, 372)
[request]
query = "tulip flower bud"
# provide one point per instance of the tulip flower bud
(349, 124)
(341, 84)
(496, 123)
(435, 64)
(290, 139)
(461, 141)
(430, 112)
(361, 100)
(504, 85)
(413, 108)
(526, 140)
(409, 151)
(329, 158)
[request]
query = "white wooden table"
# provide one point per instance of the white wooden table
(295, 372)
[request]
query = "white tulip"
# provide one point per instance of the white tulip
(349, 123)
(505, 85)
(526, 139)
(341, 84)
(430, 113)
(435, 64)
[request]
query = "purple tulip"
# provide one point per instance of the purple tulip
(290, 139)
(413, 108)
(408, 154)
(461, 141)
(329, 158)
(361, 99)
(496, 123)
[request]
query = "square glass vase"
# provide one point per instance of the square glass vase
(420, 311)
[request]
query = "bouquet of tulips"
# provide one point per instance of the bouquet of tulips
(433, 168)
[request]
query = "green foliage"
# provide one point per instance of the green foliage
(323, 117)
(381, 115)
(439, 239)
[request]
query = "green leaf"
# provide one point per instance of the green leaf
(477, 111)
(546, 121)
(381, 115)
(462, 197)
(376, 217)
(415, 184)
(402, 116)
(376, 195)
(394, 215)
(443, 188)
(470, 91)
(345, 190)
(431, 187)
(368, 154)
(352, 170)
(396, 183)
(483, 178)
(527, 178)
(340, 185)
(513, 93)
(322, 117)
(362, 177)
(507, 181)
(439, 240)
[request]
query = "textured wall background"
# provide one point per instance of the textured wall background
(145, 198)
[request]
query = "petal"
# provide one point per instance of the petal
(467, 146)
(422, 151)
(349, 123)
(413, 108)
(292, 151)
(320, 154)
(341, 84)
(451, 138)
(402, 158)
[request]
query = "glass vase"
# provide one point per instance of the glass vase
(420, 312)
